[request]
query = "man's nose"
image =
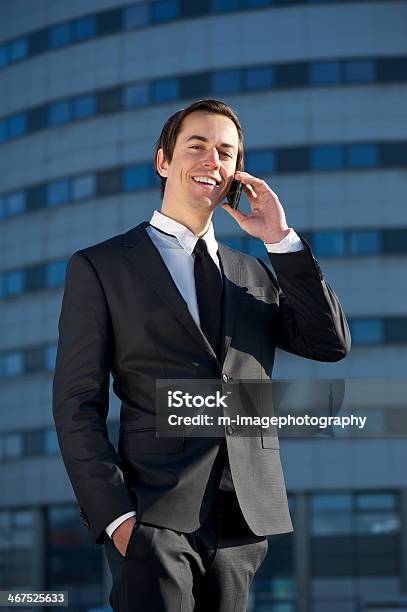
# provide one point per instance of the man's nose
(212, 158)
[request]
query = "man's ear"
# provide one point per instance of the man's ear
(161, 163)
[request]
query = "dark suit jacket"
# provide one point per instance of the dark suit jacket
(123, 314)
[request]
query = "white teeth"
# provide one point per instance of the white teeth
(204, 179)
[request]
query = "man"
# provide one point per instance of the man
(184, 520)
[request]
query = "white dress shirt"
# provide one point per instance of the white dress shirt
(176, 251)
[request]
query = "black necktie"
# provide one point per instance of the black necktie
(208, 284)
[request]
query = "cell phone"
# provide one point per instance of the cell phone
(234, 193)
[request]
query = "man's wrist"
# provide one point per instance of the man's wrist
(277, 236)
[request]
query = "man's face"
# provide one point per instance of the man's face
(206, 148)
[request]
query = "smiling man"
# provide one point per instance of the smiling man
(184, 520)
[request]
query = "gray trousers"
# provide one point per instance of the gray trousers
(211, 568)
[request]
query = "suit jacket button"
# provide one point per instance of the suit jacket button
(229, 430)
(225, 377)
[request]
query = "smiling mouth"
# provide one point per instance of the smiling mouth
(204, 184)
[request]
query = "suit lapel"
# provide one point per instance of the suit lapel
(144, 255)
(230, 266)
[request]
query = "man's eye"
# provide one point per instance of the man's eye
(195, 147)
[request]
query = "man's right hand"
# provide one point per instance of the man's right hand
(121, 535)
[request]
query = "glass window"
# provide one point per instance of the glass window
(17, 125)
(18, 49)
(359, 71)
(13, 364)
(110, 100)
(258, 78)
(51, 445)
(327, 244)
(165, 10)
(58, 192)
(60, 35)
(55, 273)
(260, 162)
(254, 3)
(363, 156)
(136, 177)
(33, 443)
(195, 85)
(224, 6)
(391, 69)
(365, 242)
(84, 28)
(227, 81)
(34, 360)
(136, 16)
(293, 159)
(83, 187)
(395, 330)
(109, 182)
(36, 197)
(136, 95)
(376, 501)
(13, 446)
(3, 56)
(14, 283)
(37, 118)
(59, 112)
(50, 357)
(34, 278)
(367, 331)
(15, 203)
(291, 75)
(165, 90)
(3, 130)
(109, 22)
(327, 158)
(393, 154)
(325, 73)
(38, 41)
(331, 514)
(394, 241)
(83, 107)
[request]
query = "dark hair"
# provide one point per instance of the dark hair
(172, 128)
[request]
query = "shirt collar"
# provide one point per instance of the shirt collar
(185, 237)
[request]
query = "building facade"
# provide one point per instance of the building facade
(320, 88)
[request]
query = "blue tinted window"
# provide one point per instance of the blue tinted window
(227, 81)
(3, 130)
(224, 6)
(60, 35)
(55, 273)
(83, 187)
(16, 203)
(367, 331)
(59, 113)
(17, 125)
(57, 192)
(3, 56)
(259, 78)
(136, 16)
(18, 49)
(363, 156)
(50, 357)
(83, 107)
(365, 243)
(84, 28)
(13, 364)
(136, 177)
(165, 10)
(166, 90)
(261, 162)
(325, 73)
(136, 95)
(329, 243)
(327, 158)
(254, 3)
(14, 283)
(51, 444)
(359, 71)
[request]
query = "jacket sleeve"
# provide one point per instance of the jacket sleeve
(311, 321)
(81, 399)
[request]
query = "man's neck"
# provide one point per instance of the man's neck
(197, 225)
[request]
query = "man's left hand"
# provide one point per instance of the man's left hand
(267, 218)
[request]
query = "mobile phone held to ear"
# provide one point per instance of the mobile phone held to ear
(234, 193)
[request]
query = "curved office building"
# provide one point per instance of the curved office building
(320, 89)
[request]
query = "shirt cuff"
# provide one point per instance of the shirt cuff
(114, 524)
(292, 242)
